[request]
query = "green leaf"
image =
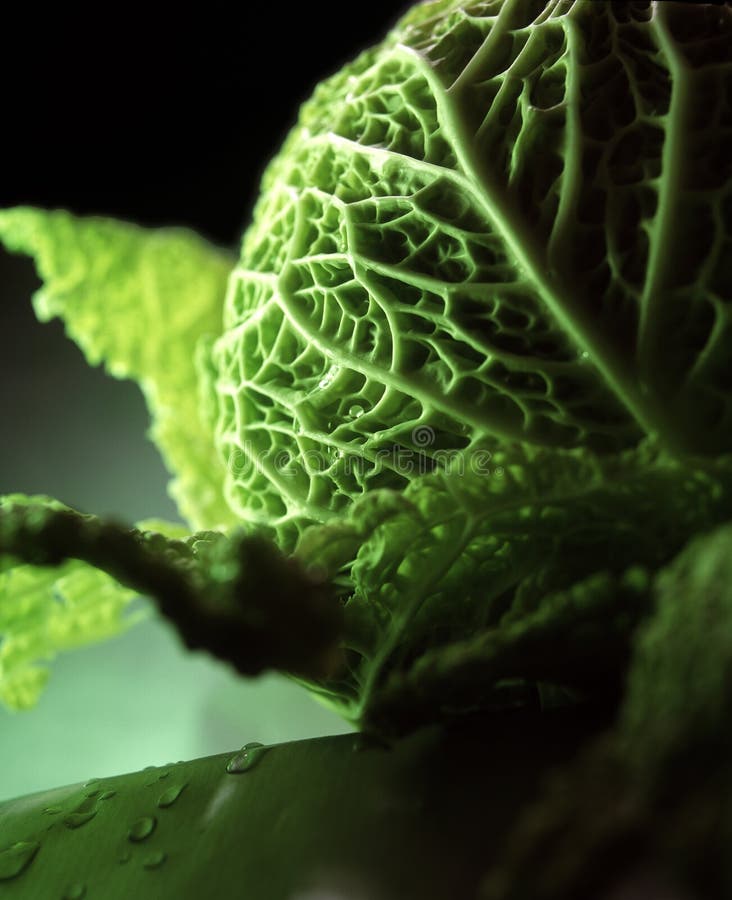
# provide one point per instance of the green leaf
(44, 612)
(464, 572)
(679, 685)
(47, 611)
(575, 643)
(142, 302)
(509, 221)
(656, 785)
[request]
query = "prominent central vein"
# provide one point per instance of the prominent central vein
(550, 285)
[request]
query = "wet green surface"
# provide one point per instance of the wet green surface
(328, 817)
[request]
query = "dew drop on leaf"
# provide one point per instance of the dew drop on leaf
(75, 891)
(329, 377)
(168, 798)
(77, 819)
(142, 828)
(84, 812)
(154, 860)
(16, 858)
(246, 758)
(161, 777)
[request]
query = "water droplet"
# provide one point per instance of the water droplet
(154, 860)
(53, 810)
(84, 812)
(246, 758)
(77, 819)
(125, 856)
(355, 412)
(168, 798)
(91, 782)
(163, 775)
(329, 377)
(74, 891)
(107, 795)
(16, 858)
(585, 354)
(142, 828)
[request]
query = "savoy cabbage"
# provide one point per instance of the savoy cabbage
(472, 366)
(509, 223)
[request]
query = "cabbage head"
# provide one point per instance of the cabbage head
(510, 223)
(480, 319)
(473, 366)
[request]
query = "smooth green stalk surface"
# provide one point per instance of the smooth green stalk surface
(325, 817)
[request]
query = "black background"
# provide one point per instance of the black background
(164, 119)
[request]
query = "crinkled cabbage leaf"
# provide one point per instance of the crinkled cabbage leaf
(510, 222)
(143, 302)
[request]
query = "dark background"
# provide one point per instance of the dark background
(161, 124)
(171, 121)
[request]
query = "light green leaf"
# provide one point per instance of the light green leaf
(468, 557)
(140, 301)
(68, 577)
(44, 612)
(47, 611)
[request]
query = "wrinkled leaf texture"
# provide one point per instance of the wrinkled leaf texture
(505, 233)
(510, 222)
